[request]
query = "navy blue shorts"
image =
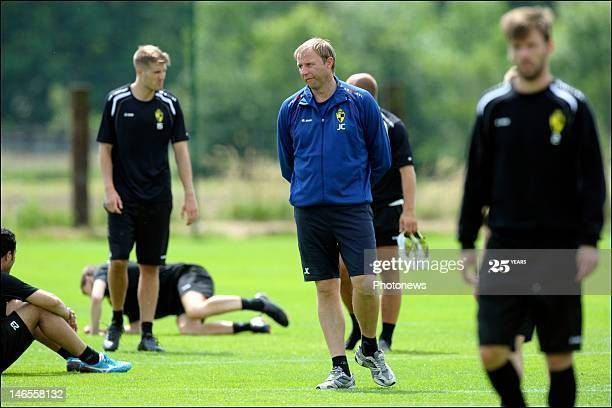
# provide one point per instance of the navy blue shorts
(324, 232)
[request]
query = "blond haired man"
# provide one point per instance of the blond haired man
(139, 121)
(332, 147)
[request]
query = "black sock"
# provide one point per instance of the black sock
(90, 356)
(146, 328)
(341, 361)
(387, 332)
(562, 391)
(64, 353)
(117, 318)
(356, 328)
(506, 382)
(240, 327)
(252, 304)
(369, 346)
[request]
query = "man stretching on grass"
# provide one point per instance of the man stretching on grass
(185, 291)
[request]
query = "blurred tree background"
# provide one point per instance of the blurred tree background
(232, 66)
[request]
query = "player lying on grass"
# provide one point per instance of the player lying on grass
(185, 291)
(30, 314)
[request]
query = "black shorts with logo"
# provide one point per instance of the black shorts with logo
(16, 338)
(386, 224)
(325, 232)
(197, 279)
(557, 318)
(147, 225)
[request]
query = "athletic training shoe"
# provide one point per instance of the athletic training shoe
(258, 325)
(336, 380)
(272, 310)
(111, 341)
(381, 372)
(352, 340)
(149, 343)
(73, 364)
(384, 346)
(105, 365)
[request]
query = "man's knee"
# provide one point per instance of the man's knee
(32, 315)
(363, 285)
(494, 357)
(328, 287)
(559, 361)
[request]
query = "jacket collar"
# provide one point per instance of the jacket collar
(340, 94)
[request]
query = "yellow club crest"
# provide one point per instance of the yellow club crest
(557, 121)
(340, 115)
(159, 115)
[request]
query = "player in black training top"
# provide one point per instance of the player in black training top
(535, 162)
(30, 314)
(187, 292)
(139, 121)
(394, 198)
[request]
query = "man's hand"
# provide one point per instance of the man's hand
(469, 267)
(112, 201)
(586, 261)
(71, 319)
(408, 222)
(190, 208)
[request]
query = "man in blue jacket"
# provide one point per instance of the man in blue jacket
(332, 146)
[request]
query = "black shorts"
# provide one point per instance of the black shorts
(386, 225)
(526, 330)
(324, 232)
(197, 279)
(16, 338)
(147, 225)
(557, 318)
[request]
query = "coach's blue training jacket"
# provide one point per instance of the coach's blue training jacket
(332, 157)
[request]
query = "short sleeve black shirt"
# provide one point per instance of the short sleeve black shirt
(389, 187)
(140, 132)
(13, 288)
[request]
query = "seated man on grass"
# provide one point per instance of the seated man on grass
(29, 314)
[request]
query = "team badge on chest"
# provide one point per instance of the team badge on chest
(340, 116)
(159, 117)
(557, 123)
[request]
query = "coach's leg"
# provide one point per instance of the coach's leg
(329, 309)
(346, 292)
(562, 392)
(366, 304)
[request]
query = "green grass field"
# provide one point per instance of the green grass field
(434, 357)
